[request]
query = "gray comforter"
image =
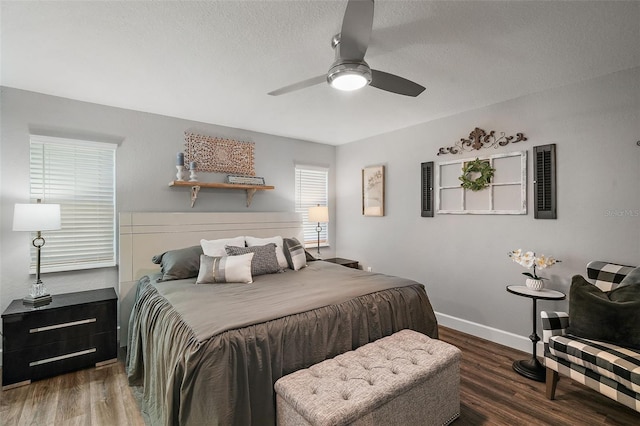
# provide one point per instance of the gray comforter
(210, 354)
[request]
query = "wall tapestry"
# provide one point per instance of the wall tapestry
(218, 155)
(504, 192)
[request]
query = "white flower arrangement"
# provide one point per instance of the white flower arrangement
(530, 260)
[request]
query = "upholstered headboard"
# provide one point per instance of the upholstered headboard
(145, 234)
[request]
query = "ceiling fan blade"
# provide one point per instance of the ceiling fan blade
(392, 83)
(299, 85)
(356, 29)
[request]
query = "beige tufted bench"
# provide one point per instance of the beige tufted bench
(403, 379)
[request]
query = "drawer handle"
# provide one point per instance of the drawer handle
(58, 358)
(66, 324)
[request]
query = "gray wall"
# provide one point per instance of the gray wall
(462, 259)
(145, 162)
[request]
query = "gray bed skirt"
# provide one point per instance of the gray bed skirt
(227, 379)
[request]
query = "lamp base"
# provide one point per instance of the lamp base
(45, 299)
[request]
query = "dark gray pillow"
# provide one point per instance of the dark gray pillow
(632, 278)
(609, 316)
(179, 264)
(309, 256)
(264, 259)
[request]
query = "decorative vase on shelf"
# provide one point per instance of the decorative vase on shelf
(535, 285)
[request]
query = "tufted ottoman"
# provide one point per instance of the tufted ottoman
(403, 379)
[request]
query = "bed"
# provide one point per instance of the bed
(210, 354)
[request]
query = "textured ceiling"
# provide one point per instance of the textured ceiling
(215, 61)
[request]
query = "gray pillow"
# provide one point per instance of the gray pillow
(632, 278)
(264, 259)
(295, 254)
(179, 264)
(309, 256)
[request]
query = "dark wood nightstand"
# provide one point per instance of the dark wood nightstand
(74, 331)
(344, 262)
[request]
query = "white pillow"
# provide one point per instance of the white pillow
(227, 269)
(282, 260)
(215, 248)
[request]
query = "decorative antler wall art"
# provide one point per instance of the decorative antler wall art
(479, 139)
(213, 154)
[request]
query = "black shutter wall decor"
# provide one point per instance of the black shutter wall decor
(427, 189)
(544, 183)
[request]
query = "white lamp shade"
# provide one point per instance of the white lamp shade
(319, 214)
(36, 217)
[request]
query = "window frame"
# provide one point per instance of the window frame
(91, 203)
(312, 200)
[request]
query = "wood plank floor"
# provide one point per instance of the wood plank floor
(491, 394)
(94, 396)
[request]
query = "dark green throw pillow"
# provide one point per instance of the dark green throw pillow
(609, 316)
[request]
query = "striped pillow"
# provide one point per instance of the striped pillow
(227, 269)
(295, 254)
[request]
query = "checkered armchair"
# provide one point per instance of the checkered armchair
(612, 370)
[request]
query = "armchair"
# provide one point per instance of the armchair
(608, 368)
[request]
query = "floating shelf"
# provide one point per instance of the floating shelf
(196, 186)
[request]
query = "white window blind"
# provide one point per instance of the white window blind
(312, 189)
(80, 176)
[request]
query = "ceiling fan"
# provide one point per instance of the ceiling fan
(349, 70)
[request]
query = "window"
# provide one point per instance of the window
(80, 176)
(311, 190)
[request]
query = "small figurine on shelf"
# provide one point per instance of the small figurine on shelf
(192, 170)
(180, 166)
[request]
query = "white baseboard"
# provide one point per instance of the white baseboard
(495, 335)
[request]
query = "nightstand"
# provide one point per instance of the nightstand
(344, 262)
(74, 331)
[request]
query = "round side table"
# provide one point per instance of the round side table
(531, 368)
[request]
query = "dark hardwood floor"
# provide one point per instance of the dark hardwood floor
(491, 393)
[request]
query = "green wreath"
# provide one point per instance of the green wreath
(477, 166)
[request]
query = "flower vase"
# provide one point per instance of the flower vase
(535, 285)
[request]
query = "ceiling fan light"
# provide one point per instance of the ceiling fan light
(349, 76)
(349, 81)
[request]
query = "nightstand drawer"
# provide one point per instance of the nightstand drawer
(28, 330)
(49, 360)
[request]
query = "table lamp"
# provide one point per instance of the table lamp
(319, 214)
(37, 218)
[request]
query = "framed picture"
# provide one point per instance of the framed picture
(373, 191)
